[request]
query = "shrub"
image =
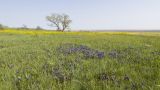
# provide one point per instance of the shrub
(39, 28)
(1, 27)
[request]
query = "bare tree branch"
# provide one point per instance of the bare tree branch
(65, 21)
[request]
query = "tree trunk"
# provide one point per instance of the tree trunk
(58, 28)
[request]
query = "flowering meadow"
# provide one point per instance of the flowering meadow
(51, 60)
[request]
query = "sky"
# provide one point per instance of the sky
(85, 14)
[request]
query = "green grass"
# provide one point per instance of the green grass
(27, 62)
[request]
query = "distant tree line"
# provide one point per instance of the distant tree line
(60, 21)
(24, 27)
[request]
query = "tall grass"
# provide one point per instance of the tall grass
(30, 60)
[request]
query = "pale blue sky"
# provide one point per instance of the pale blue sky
(86, 14)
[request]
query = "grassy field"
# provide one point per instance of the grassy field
(48, 60)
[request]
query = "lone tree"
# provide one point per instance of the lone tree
(60, 21)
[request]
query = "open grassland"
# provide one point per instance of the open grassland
(48, 60)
